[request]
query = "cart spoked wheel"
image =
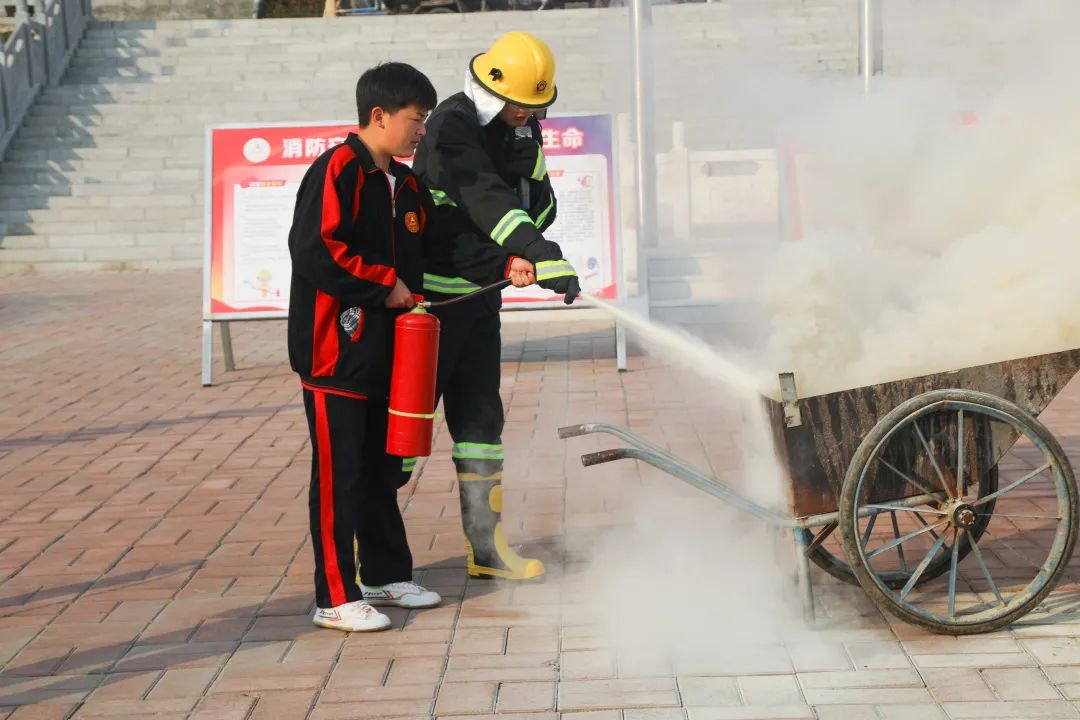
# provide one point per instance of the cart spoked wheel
(826, 548)
(920, 463)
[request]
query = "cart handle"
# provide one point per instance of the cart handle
(688, 475)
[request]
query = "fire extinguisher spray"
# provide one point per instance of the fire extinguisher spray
(412, 378)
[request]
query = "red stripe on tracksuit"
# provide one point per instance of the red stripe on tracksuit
(331, 220)
(326, 502)
(332, 391)
(324, 350)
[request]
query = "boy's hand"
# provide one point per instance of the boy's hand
(522, 273)
(400, 297)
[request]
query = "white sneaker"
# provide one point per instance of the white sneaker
(401, 594)
(355, 616)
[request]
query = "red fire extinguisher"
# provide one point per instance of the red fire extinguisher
(412, 377)
(412, 384)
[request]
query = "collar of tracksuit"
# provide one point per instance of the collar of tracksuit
(487, 105)
(399, 171)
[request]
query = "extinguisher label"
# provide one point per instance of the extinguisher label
(352, 322)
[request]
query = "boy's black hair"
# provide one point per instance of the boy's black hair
(392, 86)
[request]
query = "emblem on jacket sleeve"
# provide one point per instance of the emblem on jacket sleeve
(412, 223)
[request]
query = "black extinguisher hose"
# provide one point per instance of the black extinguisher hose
(474, 293)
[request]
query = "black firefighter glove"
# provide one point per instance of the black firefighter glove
(526, 159)
(558, 276)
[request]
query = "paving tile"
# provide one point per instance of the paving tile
(957, 685)
(1029, 710)
(516, 716)
(496, 668)
(224, 707)
(465, 698)
(819, 656)
(482, 641)
(911, 712)
(629, 693)
(374, 693)
(120, 686)
(942, 645)
(878, 656)
(412, 671)
(133, 707)
(50, 711)
(974, 660)
(529, 640)
(284, 705)
(848, 712)
(649, 714)
(1020, 684)
(182, 683)
(587, 665)
(525, 697)
(861, 679)
(1054, 651)
(770, 712)
(709, 691)
(382, 710)
(770, 690)
(867, 696)
(30, 690)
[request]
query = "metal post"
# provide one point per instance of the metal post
(870, 31)
(5, 111)
(38, 8)
(226, 346)
(22, 11)
(641, 46)
(207, 352)
(620, 346)
(802, 568)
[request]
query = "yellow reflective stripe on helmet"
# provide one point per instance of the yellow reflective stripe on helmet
(448, 285)
(508, 224)
(540, 170)
(543, 216)
(477, 451)
(440, 198)
(548, 269)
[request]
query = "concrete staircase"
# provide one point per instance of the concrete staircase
(107, 171)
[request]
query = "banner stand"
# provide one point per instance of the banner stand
(252, 172)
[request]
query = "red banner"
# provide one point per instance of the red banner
(254, 171)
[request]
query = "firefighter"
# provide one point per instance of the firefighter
(362, 229)
(483, 160)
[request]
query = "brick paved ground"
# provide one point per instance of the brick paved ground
(155, 563)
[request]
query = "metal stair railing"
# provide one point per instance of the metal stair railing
(35, 55)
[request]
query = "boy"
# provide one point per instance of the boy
(358, 240)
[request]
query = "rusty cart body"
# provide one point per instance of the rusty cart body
(909, 489)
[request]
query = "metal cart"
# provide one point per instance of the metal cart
(906, 489)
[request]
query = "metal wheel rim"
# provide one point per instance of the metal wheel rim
(838, 567)
(1046, 569)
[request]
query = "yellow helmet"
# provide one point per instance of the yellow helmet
(519, 68)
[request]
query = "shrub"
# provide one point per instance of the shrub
(294, 8)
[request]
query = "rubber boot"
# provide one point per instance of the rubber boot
(489, 555)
